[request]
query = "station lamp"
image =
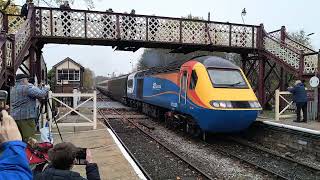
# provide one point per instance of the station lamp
(243, 13)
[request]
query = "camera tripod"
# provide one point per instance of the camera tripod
(46, 106)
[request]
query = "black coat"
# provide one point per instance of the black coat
(24, 10)
(56, 174)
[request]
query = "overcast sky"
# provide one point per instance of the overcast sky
(294, 14)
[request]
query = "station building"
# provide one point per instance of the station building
(68, 75)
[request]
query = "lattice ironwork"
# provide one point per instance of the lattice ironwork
(163, 30)
(102, 26)
(310, 63)
(21, 37)
(15, 23)
(284, 53)
(241, 36)
(219, 34)
(1, 21)
(8, 54)
(68, 24)
(298, 46)
(43, 22)
(1, 58)
(194, 32)
(276, 34)
(132, 27)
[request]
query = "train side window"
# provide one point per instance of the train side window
(193, 80)
(130, 83)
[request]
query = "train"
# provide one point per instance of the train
(206, 94)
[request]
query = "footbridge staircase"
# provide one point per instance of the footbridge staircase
(265, 55)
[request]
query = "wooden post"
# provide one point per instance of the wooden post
(50, 111)
(277, 105)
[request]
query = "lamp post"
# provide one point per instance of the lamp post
(243, 13)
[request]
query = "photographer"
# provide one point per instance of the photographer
(13, 160)
(23, 105)
(63, 157)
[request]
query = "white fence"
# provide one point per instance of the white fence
(91, 121)
(289, 110)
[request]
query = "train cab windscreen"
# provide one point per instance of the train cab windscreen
(227, 78)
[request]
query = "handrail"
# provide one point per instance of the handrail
(299, 43)
(284, 44)
(149, 16)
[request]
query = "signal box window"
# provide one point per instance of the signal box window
(193, 80)
(68, 75)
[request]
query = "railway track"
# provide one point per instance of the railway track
(203, 175)
(280, 167)
(274, 164)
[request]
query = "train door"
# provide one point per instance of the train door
(183, 90)
(139, 88)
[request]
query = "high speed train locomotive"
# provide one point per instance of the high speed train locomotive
(206, 93)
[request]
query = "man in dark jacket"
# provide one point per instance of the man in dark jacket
(62, 158)
(300, 98)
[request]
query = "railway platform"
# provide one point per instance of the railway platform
(112, 159)
(312, 127)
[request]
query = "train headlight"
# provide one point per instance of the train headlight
(221, 104)
(215, 104)
(254, 104)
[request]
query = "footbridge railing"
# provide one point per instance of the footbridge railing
(51, 23)
(308, 56)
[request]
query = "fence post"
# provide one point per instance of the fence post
(50, 111)
(75, 98)
(95, 109)
(277, 105)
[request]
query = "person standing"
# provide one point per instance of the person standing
(24, 9)
(300, 98)
(66, 18)
(23, 105)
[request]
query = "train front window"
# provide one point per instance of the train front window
(230, 78)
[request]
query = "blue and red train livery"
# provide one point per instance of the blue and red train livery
(206, 93)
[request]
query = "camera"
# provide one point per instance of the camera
(3, 101)
(81, 156)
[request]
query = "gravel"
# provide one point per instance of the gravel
(206, 158)
(157, 161)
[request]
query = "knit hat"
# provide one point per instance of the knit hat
(21, 76)
(297, 82)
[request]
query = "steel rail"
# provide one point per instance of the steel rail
(191, 164)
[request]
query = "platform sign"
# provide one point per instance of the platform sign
(314, 81)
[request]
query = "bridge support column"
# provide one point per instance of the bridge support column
(32, 60)
(39, 72)
(261, 85)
